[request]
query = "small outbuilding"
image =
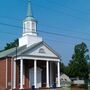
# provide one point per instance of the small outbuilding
(65, 80)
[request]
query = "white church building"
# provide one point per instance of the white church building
(36, 63)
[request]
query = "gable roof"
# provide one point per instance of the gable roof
(10, 52)
(20, 50)
(38, 44)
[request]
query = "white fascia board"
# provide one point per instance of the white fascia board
(37, 58)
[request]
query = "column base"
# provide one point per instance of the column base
(12, 88)
(21, 88)
(47, 86)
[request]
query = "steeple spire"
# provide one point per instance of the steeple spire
(29, 24)
(29, 12)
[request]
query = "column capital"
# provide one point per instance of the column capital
(58, 61)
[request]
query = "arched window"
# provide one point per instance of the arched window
(41, 50)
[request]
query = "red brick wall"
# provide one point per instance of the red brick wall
(27, 66)
(2, 74)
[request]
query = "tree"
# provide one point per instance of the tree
(78, 66)
(62, 67)
(11, 45)
(89, 70)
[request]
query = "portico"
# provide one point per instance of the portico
(44, 65)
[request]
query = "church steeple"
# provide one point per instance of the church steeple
(29, 11)
(29, 36)
(29, 24)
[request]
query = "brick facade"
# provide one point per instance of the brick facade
(7, 80)
(5, 73)
(2, 73)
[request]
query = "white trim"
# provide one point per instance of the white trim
(6, 73)
(21, 74)
(47, 73)
(35, 73)
(58, 73)
(14, 75)
(37, 58)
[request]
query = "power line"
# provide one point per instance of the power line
(44, 24)
(10, 25)
(10, 18)
(50, 26)
(69, 36)
(73, 9)
(53, 33)
(56, 27)
(59, 40)
(13, 34)
(61, 12)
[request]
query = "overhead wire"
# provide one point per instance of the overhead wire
(50, 26)
(53, 33)
(60, 12)
(46, 24)
(64, 6)
(66, 30)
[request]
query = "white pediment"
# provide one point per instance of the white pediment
(41, 50)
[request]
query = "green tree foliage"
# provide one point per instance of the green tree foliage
(78, 66)
(62, 67)
(89, 70)
(11, 44)
(89, 67)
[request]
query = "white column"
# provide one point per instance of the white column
(21, 74)
(58, 74)
(14, 75)
(35, 73)
(47, 74)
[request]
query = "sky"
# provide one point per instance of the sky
(68, 19)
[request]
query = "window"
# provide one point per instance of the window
(33, 27)
(41, 50)
(27, 27)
